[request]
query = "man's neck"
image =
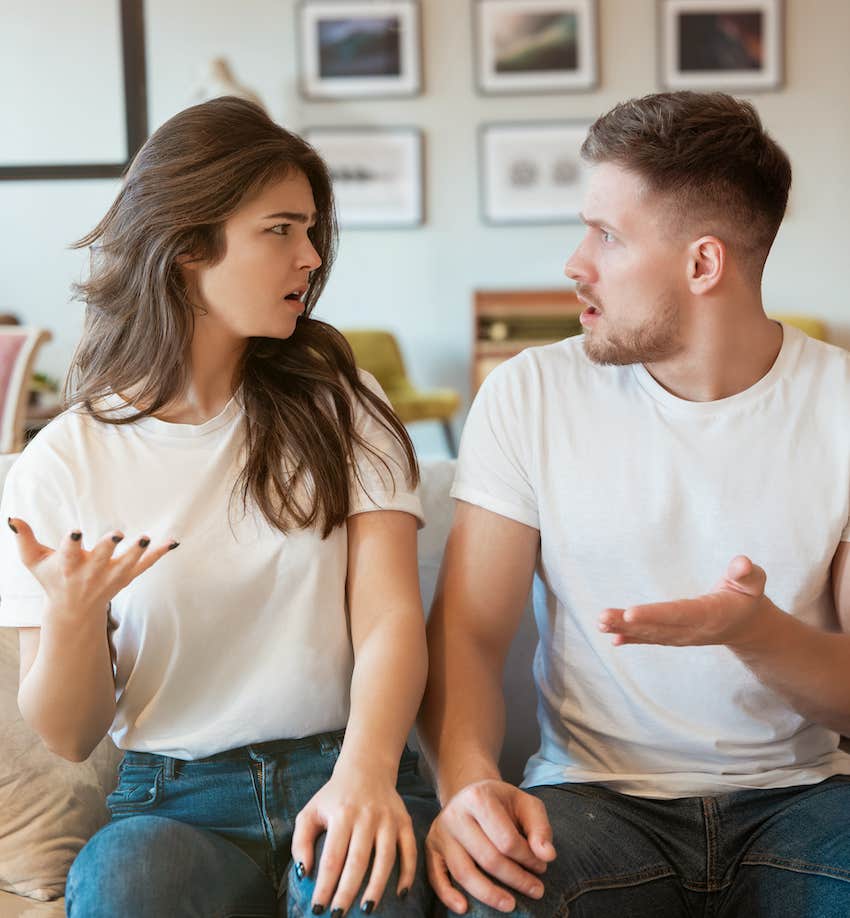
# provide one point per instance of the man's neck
(722, 355)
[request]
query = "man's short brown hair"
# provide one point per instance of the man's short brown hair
(709, 154)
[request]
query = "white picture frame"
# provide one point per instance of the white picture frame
(532, 172)
(535, 46)
(351, 49)
(377, 173)
(729, 45)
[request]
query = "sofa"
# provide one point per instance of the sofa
(48, 807)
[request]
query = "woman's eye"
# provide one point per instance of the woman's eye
(281, 229)
(607, 237)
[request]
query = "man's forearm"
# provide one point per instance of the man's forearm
(808, 667)
(462, 720)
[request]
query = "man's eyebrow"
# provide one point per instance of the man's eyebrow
(589, 221)
(295, 217)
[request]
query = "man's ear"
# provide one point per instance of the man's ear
(706, 264)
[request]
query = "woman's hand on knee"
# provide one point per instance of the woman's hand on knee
(490, 830)
(361, 818)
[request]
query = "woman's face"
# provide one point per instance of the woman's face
(256, 288)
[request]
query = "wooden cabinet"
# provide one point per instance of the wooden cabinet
(508, 321)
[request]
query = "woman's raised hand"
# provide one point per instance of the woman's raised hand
(82, 581)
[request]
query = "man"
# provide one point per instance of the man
(685, 446)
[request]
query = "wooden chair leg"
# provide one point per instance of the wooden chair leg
(450, 438)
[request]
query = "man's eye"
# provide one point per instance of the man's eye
(607, 237)
(281, 229)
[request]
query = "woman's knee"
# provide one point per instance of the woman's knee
(150, 866)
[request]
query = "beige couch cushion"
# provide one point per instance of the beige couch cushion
(48, 807)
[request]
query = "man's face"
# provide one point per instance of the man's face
(630, 271)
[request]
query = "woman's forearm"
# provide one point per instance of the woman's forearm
(391, 665)
(68, 694)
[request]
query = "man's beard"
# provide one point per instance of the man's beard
(657, 339)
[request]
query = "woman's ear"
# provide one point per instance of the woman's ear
(706, 264)
(187, 260)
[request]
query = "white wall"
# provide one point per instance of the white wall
(419, 282)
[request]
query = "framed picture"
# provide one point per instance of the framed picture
(733, 45)
(532, 172)
(356, 48)
(47, 133)
(377, 174)
(535, 46)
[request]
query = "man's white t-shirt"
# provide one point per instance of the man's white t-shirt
(238, 636)
(640, 496)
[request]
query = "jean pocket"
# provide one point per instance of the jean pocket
(139, 788)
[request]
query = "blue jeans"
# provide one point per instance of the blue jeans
(211, 838)
(781, 853)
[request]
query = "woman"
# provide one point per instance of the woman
(212, 554)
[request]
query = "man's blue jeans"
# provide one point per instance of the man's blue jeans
(211, 838)
(782, 853)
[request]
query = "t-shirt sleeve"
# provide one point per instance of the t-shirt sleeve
(380, 480)
(38, 490)
(493, 469)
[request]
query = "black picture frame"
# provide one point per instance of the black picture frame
(135, 109)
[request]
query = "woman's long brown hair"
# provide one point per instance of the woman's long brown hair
(298, 393)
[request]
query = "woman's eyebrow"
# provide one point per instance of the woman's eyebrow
(295, 217)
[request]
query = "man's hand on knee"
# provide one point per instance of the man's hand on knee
(489, 831)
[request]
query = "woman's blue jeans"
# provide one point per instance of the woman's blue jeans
(211, 838)
(778, 853)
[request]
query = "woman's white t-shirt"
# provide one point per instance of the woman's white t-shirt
(238, 636)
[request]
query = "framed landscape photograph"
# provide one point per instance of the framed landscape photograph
(535, 46)
(377, 174)
(350, 49)
(531, 172)
(733, 45)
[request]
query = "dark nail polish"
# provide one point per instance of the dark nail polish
(318, 909)
(336, 913)
(403, 894)
(76, 535)
(143, 543)
(300, 869)
(367, 907)
(12, 526)
(171, 547)
(117, 538)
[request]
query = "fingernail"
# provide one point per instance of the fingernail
(403, 893)
(76, 535)
(143, 543)
(12, 526)
(536, 892)
(367, 907)
(171, 547)
(318, 909)
(336, 913)
(300, 869)
(117, 538)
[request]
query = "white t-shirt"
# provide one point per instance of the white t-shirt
(639, 497)
(238, 636)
